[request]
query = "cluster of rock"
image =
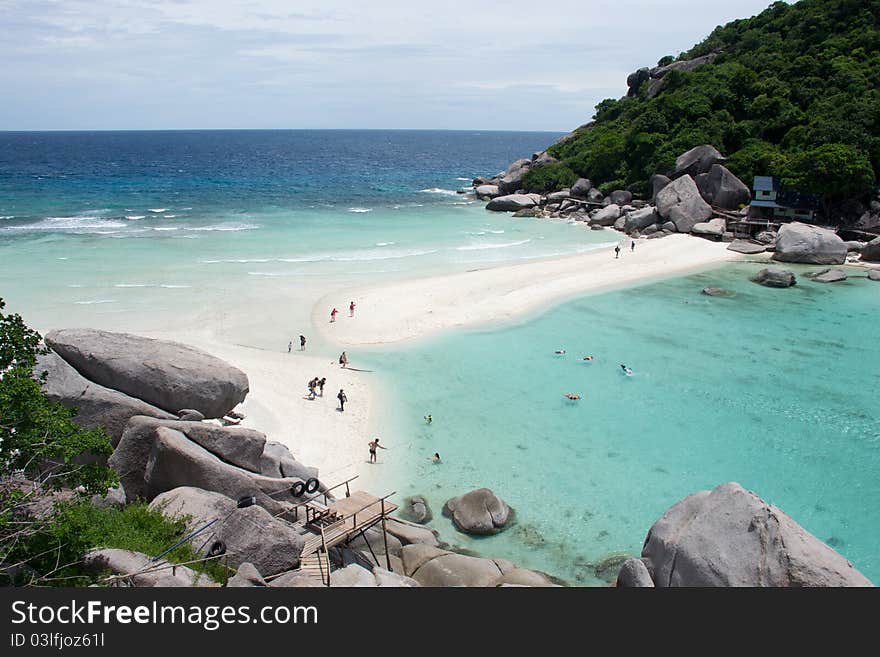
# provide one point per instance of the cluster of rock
(731, 537)
(655, 77)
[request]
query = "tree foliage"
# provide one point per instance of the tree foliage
(787, 83)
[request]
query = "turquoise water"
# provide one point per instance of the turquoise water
(775, 389)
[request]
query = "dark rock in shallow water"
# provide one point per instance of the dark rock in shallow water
(416, 509)
(717, 292)
(829, 276)
(874, 275)
(478, 512)
(609, 566)
(774, 277)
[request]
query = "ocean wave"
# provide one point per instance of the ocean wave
(496, 232)
(94, 301)
(360, 210)
(384, 243)
(135, 217)
(169, 216)
(7, 216)
(150, 285)
(481, 247)
(80, 223)
(337, 256)
(227, 227)
(165, 228)
(468, 179)
(157, 210)
(438, 190)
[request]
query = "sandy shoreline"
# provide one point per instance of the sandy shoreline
(416, 308)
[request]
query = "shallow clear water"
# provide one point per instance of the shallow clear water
(774, 389)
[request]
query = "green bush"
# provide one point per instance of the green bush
(77, 527)
(549, 178)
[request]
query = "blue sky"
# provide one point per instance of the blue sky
(512, 65)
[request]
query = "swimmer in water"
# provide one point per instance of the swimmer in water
(572, 396)
(428, 419)
(560, 351)
(436, 458)
(588, 358)
(626, 370)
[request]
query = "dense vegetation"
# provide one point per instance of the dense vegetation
(41, 451)
(794, 93)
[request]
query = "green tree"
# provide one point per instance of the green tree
(835, 171)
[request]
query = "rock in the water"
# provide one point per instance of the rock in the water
(731, 537)
(680, 202)
(251, 534)
(435, 567)
(640, 219)
(874, 275)
(487, 191)
(605, 216)
(774, 277)
(799, 242)
(478, 512)
(528, 212)
(581, 188)
(166, 374)
(621, 197)
(717, 292)
(511, 203)
(871, 250)
(830, 276)
(96, 405)
(746, 246)
(634, 574)
(126, 562)
(699, 159)
(247, 575)
(722, 189)
(714, 228)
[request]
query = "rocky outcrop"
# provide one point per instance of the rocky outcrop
(731, 537)
(247, 575)
(658, 182)
(139, 569)
(97, 406)
(697, 160)
(871, 251)
(431, 566)
(277, 461)
(830, 276)
(416, 509)
(658, 73)
(747, 247)
(354, 575)
(634, 574)
(485, 192)
(605, 216)
(511, 202)
(680, 202)
(621, 197)
(581, 188)
(640, 219)
(712, 229)
(168, 375)
(721, 189)
(797, 242)
(478, 512)
(512, 179)
(250, 534)
(774, 277)
(410, 533)
(717, 292)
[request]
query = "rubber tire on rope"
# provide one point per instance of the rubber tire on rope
(312, 485)
(217, 548)
(298, 489)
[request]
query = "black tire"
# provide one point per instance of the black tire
(298, 489)
(312, 485)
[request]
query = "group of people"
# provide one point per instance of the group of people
(632, 247)
(316, 383)
(302, 344)
(571, 396)
(335, 312)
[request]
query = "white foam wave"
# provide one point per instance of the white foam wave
(496, 232)
(169, 216)
(481, 247)
(135, 217)
(157, 210)
(226, 227)
(350, 256)
(150, 285)
(94, 301)
(165, 228)
(438, 190)
(7, 216)
(384, 243)
(360, 210)
(460, 178)
(81, 223)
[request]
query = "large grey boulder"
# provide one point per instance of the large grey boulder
(605, 216)
(680, 202)
(799, 242)
(478, 512)
(251, 534)
(409, 533)
(354, 575)
(621, 197)
(166, 374)
(596, 196)
(416, 509)
(561, 195)
(634, 574)
(431, 566)
(747, 247)
(277, 461)
(246, 576)
(513, 177)
(722, 189)
(871, 250)
(581, 188)
(542, 159)
(640, 219)
(767, 237)
(714, 228)
(96, 405)
(511, 203)
(731, 537)
(487, 191)
(141, 570)
(658, 181)
(635, 80)
(697, 160)
(774, 277)
(874, 275)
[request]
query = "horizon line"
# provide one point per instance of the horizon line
(7, 130)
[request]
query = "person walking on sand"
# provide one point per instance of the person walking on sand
(617, 251)
(342, 399)
(333, 315)
(312, 384)
(321, 383)
(289, 346)
(632, 245)
(351, 309)
(373, 445)
(302, 343)
(343, 359)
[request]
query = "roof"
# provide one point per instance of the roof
(765, 183)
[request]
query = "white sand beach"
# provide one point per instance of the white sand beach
(420, 307)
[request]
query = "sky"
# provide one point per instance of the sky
(215, 64)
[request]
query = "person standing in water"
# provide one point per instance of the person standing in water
(342, 399)
(428, 419)
(302, 343)
(343, 359)
(617, 251)
(351, 309)
(333, 315)
(373, 445)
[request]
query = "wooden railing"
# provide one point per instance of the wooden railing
(323, 494)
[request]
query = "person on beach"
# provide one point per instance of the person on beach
(333, 315)
(342, 399)
(289, 346)
(373, 445)
(343, 359)
(302, 343)
(312, 384)
(617, 251)
(436, 458)
(632, 245)
(351, 309)
(321, 383)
